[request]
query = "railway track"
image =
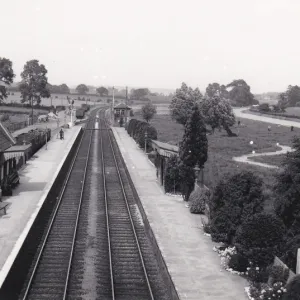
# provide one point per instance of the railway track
(96, 246)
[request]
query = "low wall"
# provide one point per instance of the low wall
(161, 262)
(14, 281)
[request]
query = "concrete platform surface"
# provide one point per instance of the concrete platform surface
(36, 179)
(193, 265)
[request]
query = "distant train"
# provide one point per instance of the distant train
(80, 112)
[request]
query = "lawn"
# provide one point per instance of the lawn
(275, 160)
(222, 148)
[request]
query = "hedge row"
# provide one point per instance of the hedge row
(137, 129)
(276, 114)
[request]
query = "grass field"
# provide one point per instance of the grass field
(222, 148)
(275, 160)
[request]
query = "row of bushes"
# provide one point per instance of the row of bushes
(27, 105)
(137, 129)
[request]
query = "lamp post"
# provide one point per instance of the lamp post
(46, 138)
(31, 110)
(146, 136)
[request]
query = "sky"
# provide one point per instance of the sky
(156, 44)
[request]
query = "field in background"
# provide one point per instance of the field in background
(222, 148)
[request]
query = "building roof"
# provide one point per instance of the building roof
(6, 139)
(122, 106)
(164, 149)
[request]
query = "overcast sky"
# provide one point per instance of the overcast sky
(157, 43)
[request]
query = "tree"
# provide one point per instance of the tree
(102, 91)
(148, 111)
(234, 200)
(82, 89)
(240, 93)
(260, 238)
(183, 103)
(64, 89)
(218, 113)
(34, 82)
(139, 93)
(215, 88)
(287, 187)
(6, 76)
(283, 102)
(290, 252)
(192, 150)
(293, 95)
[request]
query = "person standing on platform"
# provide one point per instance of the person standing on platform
(61, 133)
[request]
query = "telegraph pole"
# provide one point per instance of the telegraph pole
(126, 95)
(113, 105)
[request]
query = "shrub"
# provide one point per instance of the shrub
(260, 238)
(140, 135)
(199, 197)
(293, 289)
(290, 252)
(264, 107)
(275, 292)
(172, 177)
(238, 263)
(222, 227)
(256, 274)
(239, 197)
(298, 104)
(278, 274)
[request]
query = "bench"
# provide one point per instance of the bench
(3, 207)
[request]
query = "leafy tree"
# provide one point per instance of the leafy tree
(172, 178)
(6, 76)
(148, 111)
(293, 95)
(183, 102)
(240, 93)
(287, 187)
(192, 150)
(34, 82)
(260, 238)
(102, 91)
(234, 200)
(64, 89)
(218, 113)
(215, 89)
(82, 89)
(139, 93)
(283, 102)
(293, 289)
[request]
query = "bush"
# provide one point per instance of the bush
(239, 197)
(199, 197)
(275, 292)
(290, 252)
(172, 177)
(264, 107)
(256, 274)
(278, 274)
(293, 289)
(298, 104)
(260, 238)
(238, 263)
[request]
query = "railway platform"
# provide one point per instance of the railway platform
(193, 265)
(36, 179)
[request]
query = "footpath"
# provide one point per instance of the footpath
(36, 179)
(193, 265)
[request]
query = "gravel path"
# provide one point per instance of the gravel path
(245, 158)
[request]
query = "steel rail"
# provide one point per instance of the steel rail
(107, 219)
(130, 215)
(52, 219)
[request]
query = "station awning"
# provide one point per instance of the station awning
(10, 155)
